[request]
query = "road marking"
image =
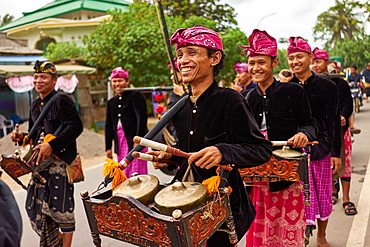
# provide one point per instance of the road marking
(358, 230)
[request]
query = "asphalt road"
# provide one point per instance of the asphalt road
(350, 231)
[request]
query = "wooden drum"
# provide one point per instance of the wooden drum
(284, 165)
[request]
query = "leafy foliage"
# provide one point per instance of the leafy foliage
(7, 18)
(222, 14)
(342, 21)
(55, 51)
(134, 41)
(353, 52)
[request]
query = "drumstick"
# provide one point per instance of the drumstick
(16, 130)
(286, 143)
(149, 157)
(163, 147)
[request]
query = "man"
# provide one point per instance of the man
(282, 111)
(50, 206)
(214, 124)
(325, 157)
(355, 79)
(243, 78)
(366, 75)
(319, 66)
(126, 117)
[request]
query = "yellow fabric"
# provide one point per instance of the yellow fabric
(112, 168)
(213, 183)
(49, 138)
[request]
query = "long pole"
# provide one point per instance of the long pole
(166, 37)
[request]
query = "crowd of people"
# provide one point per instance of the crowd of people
(218, 125)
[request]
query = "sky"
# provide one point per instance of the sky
(280, 18)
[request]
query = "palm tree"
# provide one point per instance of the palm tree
(6, 19)
(339, 22)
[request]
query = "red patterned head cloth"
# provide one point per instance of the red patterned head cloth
(119, 73)
(260, 43)
(199, 36)
(298, 44)
(320, 54)
(44, 67)
(241, 67)
(175, 62)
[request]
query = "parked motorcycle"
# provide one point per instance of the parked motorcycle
(356, 95)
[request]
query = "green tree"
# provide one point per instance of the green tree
(283, 61)
(134, 41)
(223, 14)
(342, 21)
(55, 51)
(355, 51)
(7, 18)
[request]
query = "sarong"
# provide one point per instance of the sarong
(50, 206)
(280, 218)
(137, 165)
(348, 153)
(320, 175)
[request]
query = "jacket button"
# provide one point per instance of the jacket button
(194, 111)
(191, 132)
(119, 114)
(119, 106)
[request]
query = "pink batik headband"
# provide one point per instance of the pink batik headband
(119, 73)
(199, 36)
(320, 54)
(298, 44)
(260, 43)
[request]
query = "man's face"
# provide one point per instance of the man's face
(194, 64)
(353, 70)
(260, 68)
(368, 66)
(243, 77)
(299, 62)
(44, 83)
(118, 84)
(320, 66)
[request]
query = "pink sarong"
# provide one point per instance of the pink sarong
(280, 220)
(348, 152)
(320, 175)
(139, 166)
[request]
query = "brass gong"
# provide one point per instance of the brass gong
(141, 187)
(286, 152)
(180, 195)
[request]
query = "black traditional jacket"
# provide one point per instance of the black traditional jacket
(345, 99)
(130, 108)
(221, 117)
(287, 112)
(323, 96)
(62, 111)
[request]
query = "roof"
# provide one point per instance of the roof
(62, 7)
(22, 59)
(19, 70)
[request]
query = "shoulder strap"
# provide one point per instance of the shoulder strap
(32, 133)
(248, 95)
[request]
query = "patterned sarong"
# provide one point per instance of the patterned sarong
(137, 165)
(280, 218)
(320, 175)
(50, 206)
(348, 153)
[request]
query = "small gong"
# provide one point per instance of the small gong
(180, 195)
(286, 152)
(141, 187)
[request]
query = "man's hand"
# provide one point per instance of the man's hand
(299, 140)
(16, 136)
(45, 152)
(336, 164)
(342, 121)
(109, 154)
(161, 155)
(284, 78)
(206, 158)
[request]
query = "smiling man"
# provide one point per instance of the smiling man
(215, 125)
(282, 112)
(126, 117)
(50, 206)
(325, 157)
